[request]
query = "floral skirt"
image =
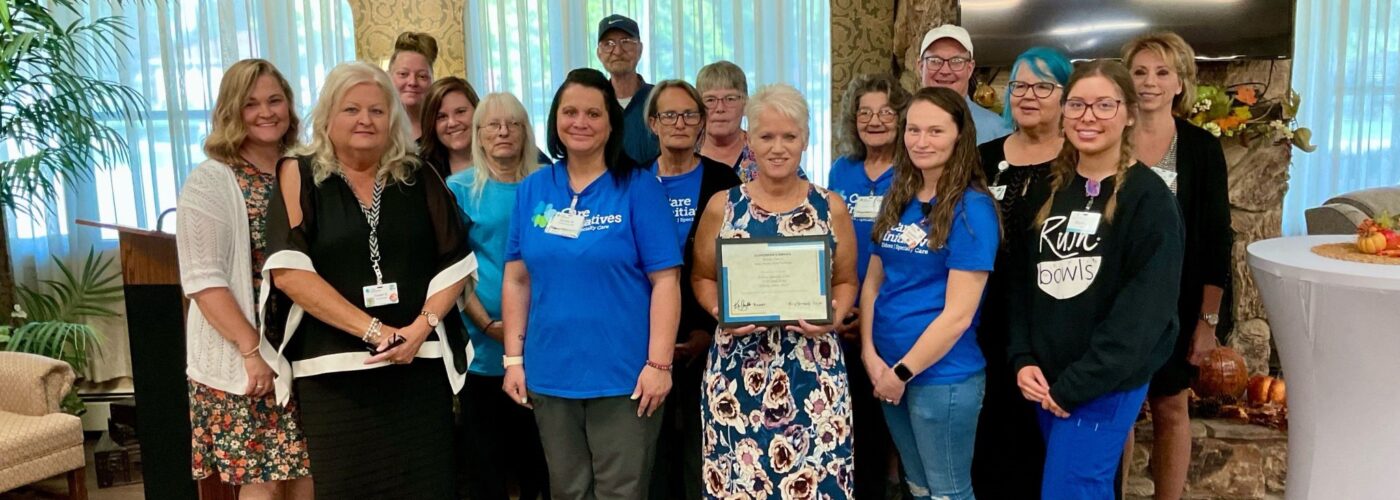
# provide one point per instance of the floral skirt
(243, 439)
(778, 417)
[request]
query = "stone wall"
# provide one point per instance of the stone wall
(1228, 460)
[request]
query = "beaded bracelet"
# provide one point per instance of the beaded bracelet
(658, 366)
(372, 334)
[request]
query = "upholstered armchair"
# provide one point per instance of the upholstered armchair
(36, 439)
(1342, 213)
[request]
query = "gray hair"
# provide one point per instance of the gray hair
(529, 153)
(722, 75)
(783, 99)
(397, 163)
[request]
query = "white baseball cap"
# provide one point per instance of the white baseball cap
(947, 31)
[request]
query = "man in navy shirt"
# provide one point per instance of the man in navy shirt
(619, 49)
(945, 60)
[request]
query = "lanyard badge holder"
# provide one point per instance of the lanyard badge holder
(567, 222)
(998, 190)
(1086, 221)
(867, 207)
(380, 293)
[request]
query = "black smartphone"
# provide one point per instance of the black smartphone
(396, 341)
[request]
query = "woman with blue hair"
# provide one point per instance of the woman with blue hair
(1009, 453)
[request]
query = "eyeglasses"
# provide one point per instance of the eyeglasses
(1104, 109)
(729, 101)
(628, 44)
(1039, 90)
(670, 117)
(496, 127)
(887, 115)
(933, 63)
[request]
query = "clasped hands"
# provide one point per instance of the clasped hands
(1034, 388)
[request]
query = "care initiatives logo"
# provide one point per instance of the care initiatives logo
(906, 237)
(543, 213)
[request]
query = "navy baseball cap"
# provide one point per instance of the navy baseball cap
(618, 22)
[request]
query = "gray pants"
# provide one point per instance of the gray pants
(596, 448)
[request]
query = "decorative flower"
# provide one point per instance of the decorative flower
(1213, 128)
(1246, 95)
(779, 387)
(760, 486)
(800, 438)
(716, 476)
(778, 413)
(830, 433)
(818, 407)
(801, 485)
(748, 455)
(800, 222)
(19, 313)
(754, 380)
(841, 470)
(725, 408)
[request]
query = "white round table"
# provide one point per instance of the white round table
(1337, 327)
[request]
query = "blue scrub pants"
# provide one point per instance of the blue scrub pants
(1082, 452)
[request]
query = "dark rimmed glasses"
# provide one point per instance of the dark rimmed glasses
(1104, 109)
(1040, 90)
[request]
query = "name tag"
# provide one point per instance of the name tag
(913, 235)
(381, 295)
(998, 192)
(566, 223)
(1082, 222)
(867, 207)
(1167, 176)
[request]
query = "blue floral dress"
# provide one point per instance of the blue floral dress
(776, 403)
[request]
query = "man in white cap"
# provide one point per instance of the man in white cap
(945, 60)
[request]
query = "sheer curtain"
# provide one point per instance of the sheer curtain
(175, 59)
(526, 47)
(1347, 68)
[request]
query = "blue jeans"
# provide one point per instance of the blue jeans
(934, 427)
(1082, 451)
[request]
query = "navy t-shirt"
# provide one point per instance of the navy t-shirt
(847, 178)
(589, 322)
(683, 191)
(915, 288)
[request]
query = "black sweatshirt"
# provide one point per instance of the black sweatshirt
(1098, 313)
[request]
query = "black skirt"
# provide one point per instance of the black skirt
(380, 433)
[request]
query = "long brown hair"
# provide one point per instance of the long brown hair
(432, 149)
(962, 171)
(1063, 170)
(228, 131)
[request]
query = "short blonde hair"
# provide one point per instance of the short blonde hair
(529, 153)
(783, 99)
(722, 75)
(228, 131)
(1178, 54)
(397, 164)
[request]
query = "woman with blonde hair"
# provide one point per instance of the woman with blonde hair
(368, 256)
(498, 439)
(222, 240)
(1191, 162)
(446, 144)
(411, 67)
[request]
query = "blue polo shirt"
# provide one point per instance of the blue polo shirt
(683, 193)
(847, 178)
(488, 212)
(989, 125)
(916, 284)
(638, 141)
(590, 298)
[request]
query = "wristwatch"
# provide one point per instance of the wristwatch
(432, 318)
(902, 372)
(1211, 319)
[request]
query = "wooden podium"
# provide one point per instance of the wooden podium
(155, 320)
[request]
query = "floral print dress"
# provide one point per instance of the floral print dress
(776, 403)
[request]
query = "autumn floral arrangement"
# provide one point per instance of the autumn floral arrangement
(1238, 112)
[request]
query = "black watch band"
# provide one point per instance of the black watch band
(902, 372)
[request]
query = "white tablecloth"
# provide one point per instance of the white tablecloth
(1337, 328)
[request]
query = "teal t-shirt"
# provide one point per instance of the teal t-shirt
(488, 214)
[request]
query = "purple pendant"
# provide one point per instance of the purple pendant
(1091, 188)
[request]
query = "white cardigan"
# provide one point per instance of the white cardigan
(214, 243)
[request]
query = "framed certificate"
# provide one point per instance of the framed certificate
(774, 281)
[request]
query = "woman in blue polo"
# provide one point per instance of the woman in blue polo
(591, 299)
(937, 241)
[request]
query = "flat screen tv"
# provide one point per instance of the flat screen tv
(1091, 29)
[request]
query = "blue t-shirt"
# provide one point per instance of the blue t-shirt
(847, 178)
(589, 322)
(684, 193)
(916, 283)
(989, 125)
(488, 213)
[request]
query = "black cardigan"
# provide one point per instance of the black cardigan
(1203, 193)
(715, 177)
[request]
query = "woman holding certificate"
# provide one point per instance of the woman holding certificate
(1095, 283)
(937, 236)
(776, 401)
(591, 299)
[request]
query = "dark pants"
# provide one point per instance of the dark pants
(498, 443)
(596, 448)
(873, 446)
(676, 474)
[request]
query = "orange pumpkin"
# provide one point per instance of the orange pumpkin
(1369, 238)
(1223, 374)
(1264, 389)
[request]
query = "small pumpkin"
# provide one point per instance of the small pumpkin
(1264, 389)
(1369, 238)
(1223, 374)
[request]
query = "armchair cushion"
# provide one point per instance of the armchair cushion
(1342, 213)
(31, 384)
(33, 448)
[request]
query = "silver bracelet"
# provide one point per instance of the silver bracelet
(372, 334)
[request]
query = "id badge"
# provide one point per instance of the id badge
(381, 295)
(912, 235)
(867, 207)
(1167, 176)
(566, 223)
(1081, 222)
(998, 192)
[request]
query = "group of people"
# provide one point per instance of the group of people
(418, 302)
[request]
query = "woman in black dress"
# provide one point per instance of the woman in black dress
(367, 252)
(1009, 452)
